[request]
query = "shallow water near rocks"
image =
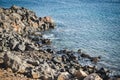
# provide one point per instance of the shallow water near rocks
(91, 25)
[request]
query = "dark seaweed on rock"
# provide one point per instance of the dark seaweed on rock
(22, 54)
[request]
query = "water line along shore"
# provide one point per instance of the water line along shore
(26, 55)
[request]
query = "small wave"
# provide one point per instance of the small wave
(48, 36)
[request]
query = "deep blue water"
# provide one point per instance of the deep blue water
(91, 25)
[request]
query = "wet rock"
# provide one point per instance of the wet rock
(50, 50)
(95, 59)
(64, 76)
(80, 74)
(79, 51)
(104, 73)
(49, 22)
(93, 76)
(46, 41)
(85, 55)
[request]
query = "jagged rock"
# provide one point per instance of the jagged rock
(95, 59)
(93, 76)
(79, 51)
(80, 74)
(64, 76)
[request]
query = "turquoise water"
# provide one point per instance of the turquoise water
(92, 25)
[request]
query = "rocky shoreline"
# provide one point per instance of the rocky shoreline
(22, 56)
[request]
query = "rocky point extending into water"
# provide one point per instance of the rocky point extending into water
(22, 56)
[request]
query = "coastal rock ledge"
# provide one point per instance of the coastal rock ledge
(26, 55)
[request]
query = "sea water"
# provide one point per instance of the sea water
(90, 25)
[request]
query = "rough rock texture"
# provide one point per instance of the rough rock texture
(80, 74)
(93, 76)
(23, 20)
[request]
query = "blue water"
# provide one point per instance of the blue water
(91, 25)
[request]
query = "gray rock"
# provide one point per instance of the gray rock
(93, 76)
